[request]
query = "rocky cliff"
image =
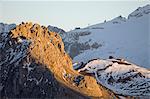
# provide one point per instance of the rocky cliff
(29, 56)
(33, 64)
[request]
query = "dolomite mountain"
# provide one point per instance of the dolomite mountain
(26, 53)
(34, 64)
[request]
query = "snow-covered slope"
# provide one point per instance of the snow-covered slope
(120, 76)
(119, 37)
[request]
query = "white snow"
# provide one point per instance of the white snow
(140, 12)
(127, 38)
(122, 78)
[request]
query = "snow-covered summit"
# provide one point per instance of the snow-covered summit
(105, 24)
(141, 11)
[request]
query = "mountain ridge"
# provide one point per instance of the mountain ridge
(112, 38)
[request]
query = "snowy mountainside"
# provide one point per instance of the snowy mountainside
(120, 76)
(119, 37)
(140, 12)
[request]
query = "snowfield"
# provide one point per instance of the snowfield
(119, 37)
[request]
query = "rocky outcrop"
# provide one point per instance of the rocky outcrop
(75, 46)
(30, 55)
(34, 64)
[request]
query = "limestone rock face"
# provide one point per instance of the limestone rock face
(46, 47)
(30, 55)
(34, 64)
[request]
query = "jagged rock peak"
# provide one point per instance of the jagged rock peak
(36, 32)
(43, 43)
